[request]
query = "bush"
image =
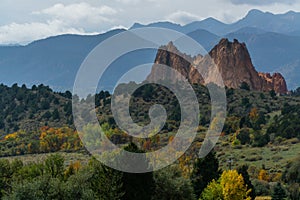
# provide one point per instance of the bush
(262, 188)
(244, 136)
(54, 166)
(294, 191)
(171, 185)
(245, 86)
(254, 158)
(292, 172)
(260, 140)
(278, 192)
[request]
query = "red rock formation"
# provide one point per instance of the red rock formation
(169, 55)
(275, 81)
(232, 60)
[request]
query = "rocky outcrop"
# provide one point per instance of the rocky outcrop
(231, 59)
(169, 55)
(275, 81)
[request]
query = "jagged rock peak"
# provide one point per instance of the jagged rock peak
(172, 49)
(232, 59)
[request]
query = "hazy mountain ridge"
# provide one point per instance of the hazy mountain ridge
(54, 61)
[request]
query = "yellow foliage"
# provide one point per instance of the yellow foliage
(230, 186)
(54, 139)
(185, 164)
(212, 191)
(233, 186)
(43, 135)
(11, 136)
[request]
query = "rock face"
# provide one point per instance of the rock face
(169, 55)
(275, 81)
(231, 59)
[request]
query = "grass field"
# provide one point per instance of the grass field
(69, 157)
(273, 157)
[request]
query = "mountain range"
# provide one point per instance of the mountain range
(287, 23)
(273, 41)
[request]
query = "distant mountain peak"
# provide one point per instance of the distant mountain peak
(136, 25)
(291, 12)
(255, 12)
(160, 24)
(211, 20)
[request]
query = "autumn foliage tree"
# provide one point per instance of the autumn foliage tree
(230, 186)
(55, 139)
(233, 186)
(263, 175)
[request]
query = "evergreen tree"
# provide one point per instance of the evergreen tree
(278, 193)
(138, 186)
(245, 86)
(55, 114)
(172, 185)
(105, 182)
(204, 171)
(272, 93)
(243, 170)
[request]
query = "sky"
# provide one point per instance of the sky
(23, 21)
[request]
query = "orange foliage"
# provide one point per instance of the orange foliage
(253, 114)
(263, 175)
(185, 164)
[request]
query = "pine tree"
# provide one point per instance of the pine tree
(243, 170)
(278, 193)
(138, 186)
(204, 171)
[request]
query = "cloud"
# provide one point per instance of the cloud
(35, 19)
(182, 17)
(78, 10)
(80, 18)
(81, 15)
(129, 1)
(27, 32)
(118, 27)
(134, 2)
(262, 2)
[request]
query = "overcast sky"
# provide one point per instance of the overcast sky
(23, 21)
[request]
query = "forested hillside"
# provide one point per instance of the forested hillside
(29, 109)
(259, 145)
